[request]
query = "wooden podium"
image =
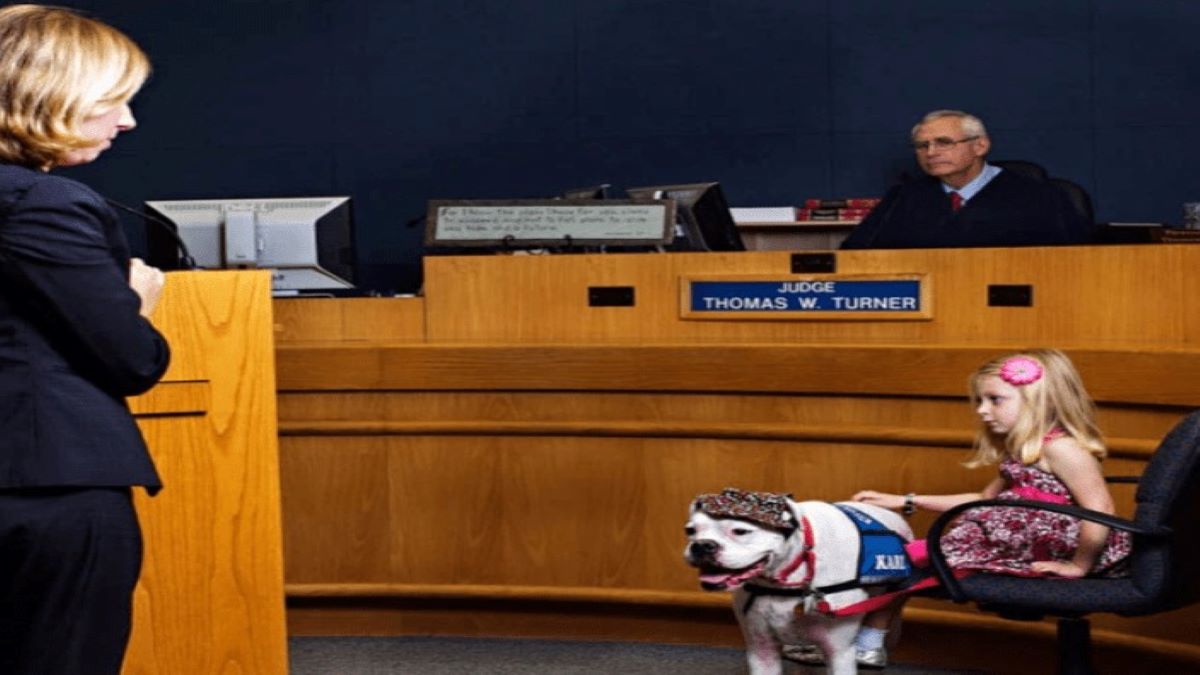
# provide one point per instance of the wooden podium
(210, 599)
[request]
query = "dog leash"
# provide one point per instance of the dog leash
(884, 599)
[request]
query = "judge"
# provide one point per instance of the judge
(963, 201)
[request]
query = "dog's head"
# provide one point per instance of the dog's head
(734, 535)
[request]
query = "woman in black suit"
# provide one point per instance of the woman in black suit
(74, 342)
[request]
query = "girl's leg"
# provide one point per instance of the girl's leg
(880, 631)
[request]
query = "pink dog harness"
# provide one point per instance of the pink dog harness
(883, 562)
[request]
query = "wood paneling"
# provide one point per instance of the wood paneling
(578, 511)
(1163, 377)
(210, 599)
(1082, 296)
(350, 319)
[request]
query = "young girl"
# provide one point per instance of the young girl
(1036, 423)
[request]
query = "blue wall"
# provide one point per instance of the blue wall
(397, 102)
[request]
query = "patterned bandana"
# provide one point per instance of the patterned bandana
(763, 508)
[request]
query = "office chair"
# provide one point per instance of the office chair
(1077, 196)
(1163, 564)
(1025, 168)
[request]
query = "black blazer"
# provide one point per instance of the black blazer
(1011, 210)
(72, 343)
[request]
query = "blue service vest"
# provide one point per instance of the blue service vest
(882, 558)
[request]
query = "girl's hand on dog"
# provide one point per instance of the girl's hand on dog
(884, 499)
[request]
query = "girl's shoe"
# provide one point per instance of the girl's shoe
(872, 659)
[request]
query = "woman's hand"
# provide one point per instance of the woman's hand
(884, 499)
(147, 282)
(1068, 569)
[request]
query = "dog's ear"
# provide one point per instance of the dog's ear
(793, 509)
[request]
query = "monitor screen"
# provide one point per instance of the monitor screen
(591, 192)
(307, 242)
(703, 220)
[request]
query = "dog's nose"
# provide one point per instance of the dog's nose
(703, 548)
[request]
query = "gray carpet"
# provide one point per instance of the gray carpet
(445, 656)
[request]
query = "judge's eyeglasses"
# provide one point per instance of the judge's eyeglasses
(940, 143)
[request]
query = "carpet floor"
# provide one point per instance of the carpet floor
(446, 656)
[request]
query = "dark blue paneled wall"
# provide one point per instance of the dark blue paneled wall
(397, 102)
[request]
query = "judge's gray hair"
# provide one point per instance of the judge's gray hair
(971, 125)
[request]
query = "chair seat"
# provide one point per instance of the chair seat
(1057, 597)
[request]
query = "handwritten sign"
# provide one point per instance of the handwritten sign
(825, 297)
(549, 222)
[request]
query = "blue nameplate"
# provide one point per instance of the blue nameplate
(898, 297)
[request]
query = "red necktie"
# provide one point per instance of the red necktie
(955, 201)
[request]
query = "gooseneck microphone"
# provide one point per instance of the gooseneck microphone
(186, 261)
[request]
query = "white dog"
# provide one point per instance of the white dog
(779, 555)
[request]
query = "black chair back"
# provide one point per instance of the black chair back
(1168, 495)
(1077, 196)
(1024, 167)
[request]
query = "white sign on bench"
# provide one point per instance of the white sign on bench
(550, 222)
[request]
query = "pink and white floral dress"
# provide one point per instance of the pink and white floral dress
(1007, 540)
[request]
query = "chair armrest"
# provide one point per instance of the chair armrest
(942, 569)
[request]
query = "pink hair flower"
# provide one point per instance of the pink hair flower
(1020, 370)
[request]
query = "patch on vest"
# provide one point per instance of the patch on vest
(881, 556)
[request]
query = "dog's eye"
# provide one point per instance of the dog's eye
(689, 530)
(741, 531)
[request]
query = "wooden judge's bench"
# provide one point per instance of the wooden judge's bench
(514, 453)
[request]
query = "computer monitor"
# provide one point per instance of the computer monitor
(306, 242)
(702, 218)
(590, 192)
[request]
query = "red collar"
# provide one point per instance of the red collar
(806, 557)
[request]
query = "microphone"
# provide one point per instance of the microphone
(186, 261)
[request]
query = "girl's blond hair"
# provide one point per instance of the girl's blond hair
(1057, 400)
(57, 68)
